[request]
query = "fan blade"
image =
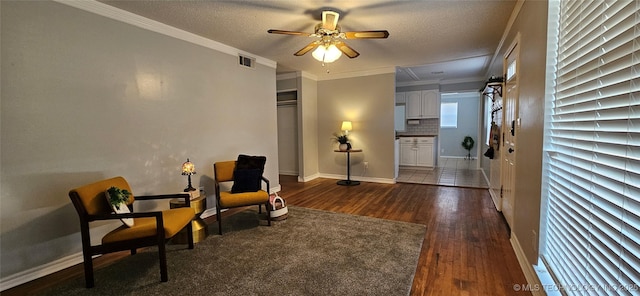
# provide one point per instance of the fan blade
(330, 19)
(347, 50)
(272, 31)
(367, 34)
(307, 48)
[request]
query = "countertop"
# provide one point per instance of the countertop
(415, 135)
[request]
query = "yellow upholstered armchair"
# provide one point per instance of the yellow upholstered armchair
(148, 229)
(224, 172)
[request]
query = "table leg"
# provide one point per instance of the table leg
(348, 181)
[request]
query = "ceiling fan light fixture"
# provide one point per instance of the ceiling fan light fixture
(327, 53)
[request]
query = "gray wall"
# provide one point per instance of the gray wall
(531, 24)
(85, 97)
(307, 127)
(368, 102)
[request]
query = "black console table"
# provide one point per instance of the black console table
(348, 181)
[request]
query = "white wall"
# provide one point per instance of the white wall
(85, 97)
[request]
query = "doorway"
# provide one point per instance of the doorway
(287, 113)
(459, 118)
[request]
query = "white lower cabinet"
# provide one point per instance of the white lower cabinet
(408, 155)
(417, 151)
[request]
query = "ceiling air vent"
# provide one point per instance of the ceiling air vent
(246, 61)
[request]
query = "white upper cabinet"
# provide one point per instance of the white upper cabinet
(430, 103)
(422, 104)
(414, 104)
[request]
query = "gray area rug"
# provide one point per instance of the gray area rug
(311, 253)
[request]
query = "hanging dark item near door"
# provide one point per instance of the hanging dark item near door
(489, 153)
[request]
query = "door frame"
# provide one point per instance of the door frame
(507, 171)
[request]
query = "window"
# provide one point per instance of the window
(511, 70)
(449, 115)
(592, 148)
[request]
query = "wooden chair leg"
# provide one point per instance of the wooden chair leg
(190, 235)
(268, 213)
(219, 218)
(164, 277)
(88, 270)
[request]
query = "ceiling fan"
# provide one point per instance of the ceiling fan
(329, 45)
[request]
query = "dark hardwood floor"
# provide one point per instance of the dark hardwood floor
(466, 249)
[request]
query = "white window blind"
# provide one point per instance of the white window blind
(592, 244)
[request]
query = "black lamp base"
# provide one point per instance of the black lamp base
(189, 187)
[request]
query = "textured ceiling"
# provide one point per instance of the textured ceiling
(429, 40)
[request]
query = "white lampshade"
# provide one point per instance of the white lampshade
(346, 126)
(327, 54)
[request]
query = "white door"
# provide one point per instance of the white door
(509, 131)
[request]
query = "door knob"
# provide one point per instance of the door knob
(511, 150)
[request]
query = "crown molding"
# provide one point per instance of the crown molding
(308, 75)
(421, 82)
(292, 75)
(463, 80)
(117, 14)
(285, 76)
(441, 82)
(507, 30)
(332, 76)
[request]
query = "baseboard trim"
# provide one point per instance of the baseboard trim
(359, 178)
(533, 282)
(288, 173)
(40, 271)
(497, 200)
(308, 178)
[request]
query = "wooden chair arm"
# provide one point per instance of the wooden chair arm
(266, 181)
(185, 196)
(114, 216)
